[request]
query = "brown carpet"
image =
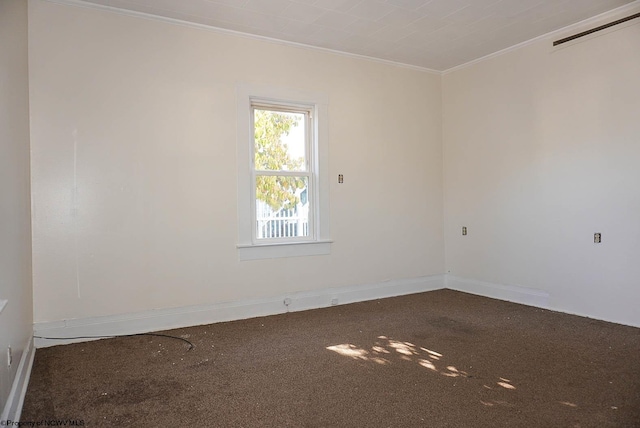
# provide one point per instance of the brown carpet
(437, 359)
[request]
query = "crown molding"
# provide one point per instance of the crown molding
(149, 16)
(175, 21)
(595, 19)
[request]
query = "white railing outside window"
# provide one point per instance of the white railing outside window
(285, 223)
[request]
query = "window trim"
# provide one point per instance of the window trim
(320, 242)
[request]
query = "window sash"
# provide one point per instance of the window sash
(306, 110)
(286, 225)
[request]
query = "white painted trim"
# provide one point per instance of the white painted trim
(289, 249)
(153, 17)
(517, 294)
(585, 315)
(510, 293)
(164, 319)
(321, 243)
(556, 33)
(13, 407)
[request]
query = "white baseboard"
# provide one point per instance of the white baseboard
(510, 293)
(13, 407)
(165, 319)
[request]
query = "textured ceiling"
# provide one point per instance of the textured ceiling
(433, 34)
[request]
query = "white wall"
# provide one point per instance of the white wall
(15, 200)
(134, 170)
(541, 150)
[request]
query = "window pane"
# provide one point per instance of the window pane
(282, 207)
(280, 140)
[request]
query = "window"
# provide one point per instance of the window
(282, 174)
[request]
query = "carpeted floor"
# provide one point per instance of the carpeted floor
(437, 359)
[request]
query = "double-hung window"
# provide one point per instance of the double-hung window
(283, 181)
(283, 173)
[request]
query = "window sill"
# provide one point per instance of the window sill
(281, 250)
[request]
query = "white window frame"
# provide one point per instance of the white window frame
(318, 242)
(308, 172)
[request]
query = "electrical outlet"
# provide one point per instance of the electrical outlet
(597, 238)
(287, 301)
(9, 356)
(334, 301)
(340, 178)
(464, 230)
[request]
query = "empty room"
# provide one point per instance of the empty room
(239, 213)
